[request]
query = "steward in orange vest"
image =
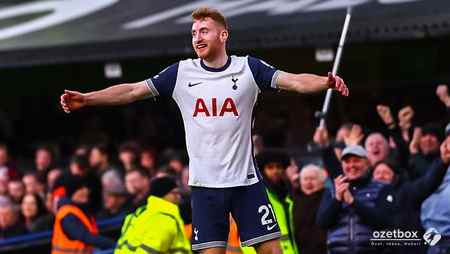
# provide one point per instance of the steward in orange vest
(75, 230)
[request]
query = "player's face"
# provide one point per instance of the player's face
(208, 38)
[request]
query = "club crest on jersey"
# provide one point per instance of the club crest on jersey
(211, 109)
(234, 82)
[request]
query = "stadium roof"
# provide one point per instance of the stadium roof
(55, 31)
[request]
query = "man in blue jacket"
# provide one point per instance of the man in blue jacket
(435, 213)
(355, 207)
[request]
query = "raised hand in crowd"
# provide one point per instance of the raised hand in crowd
(405, 116)
(414, 145)
(386, 115)
(355, 136)
(442, 93)
(321, 136)
(445, 151)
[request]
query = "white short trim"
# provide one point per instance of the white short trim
(207, 245)
(261, 239)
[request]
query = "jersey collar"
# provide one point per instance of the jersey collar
(216, 69)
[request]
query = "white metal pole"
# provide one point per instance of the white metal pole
(337, 61)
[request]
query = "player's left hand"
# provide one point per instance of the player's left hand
(335, 82)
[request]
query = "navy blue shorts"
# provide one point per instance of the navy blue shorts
(249, 206)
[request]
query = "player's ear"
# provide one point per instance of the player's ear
(224, 35)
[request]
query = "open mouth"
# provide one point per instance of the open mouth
(201, 46)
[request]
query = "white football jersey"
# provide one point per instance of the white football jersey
(217, 107)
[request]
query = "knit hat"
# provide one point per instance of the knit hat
(73, 184)
(160, 186)
(433, 129)
(265, 158)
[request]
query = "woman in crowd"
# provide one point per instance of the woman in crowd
(32, 208)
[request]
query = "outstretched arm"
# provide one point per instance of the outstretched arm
(114, 95)
(310, 83)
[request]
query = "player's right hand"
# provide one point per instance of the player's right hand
(337, 83)
(72, 100)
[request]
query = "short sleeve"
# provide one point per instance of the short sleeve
(164, 83)
(264, 74)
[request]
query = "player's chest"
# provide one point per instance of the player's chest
(213, 96)
(238, 86)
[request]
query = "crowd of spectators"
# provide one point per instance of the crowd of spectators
(29, 198)
(393, 179)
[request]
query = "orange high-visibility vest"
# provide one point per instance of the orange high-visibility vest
(61, 244)
(234, 243)
(188, 231)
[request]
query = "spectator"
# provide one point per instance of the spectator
(81, 150)
(411, 194)
(405, 116)
(160, 212)
(444, 97)
(44, 160)
(435, 212)
(273, 167)
(52, 176)
(45, 222)
(384, 172)
(310, 238)
(4, 155)
(10, 224)
(292, 174)
(115, 196)
(343, 132)
(148, 161)
(398, 134)
(424, 149)
(79, 166)
(33, 184)
(258, 144)
(176, 165)
(75, 230)
(32, 209)
(185, 181)
(115, 202)
(137, 183)
(356, 207)
(377, 148)
(99, 159)
(4, 180)
(16, 190)
(348, 134)
(185, 203)
(128, 155)
(6, 164)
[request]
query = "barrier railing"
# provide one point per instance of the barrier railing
(40, 242)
